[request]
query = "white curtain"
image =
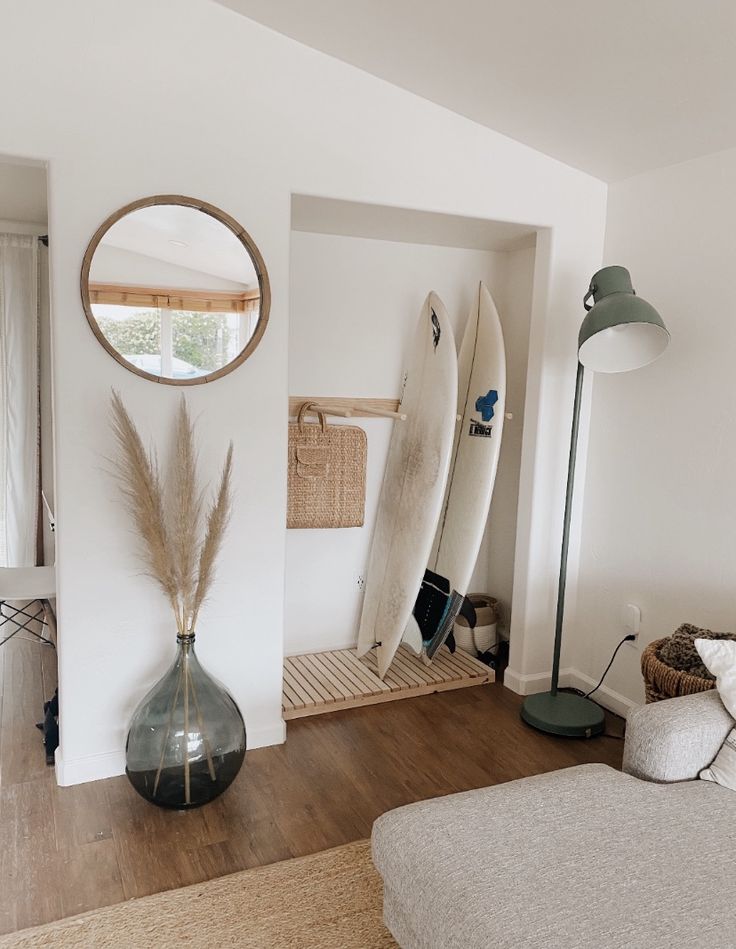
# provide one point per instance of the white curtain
(19, 489)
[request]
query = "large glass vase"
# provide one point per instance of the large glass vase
(186, 741)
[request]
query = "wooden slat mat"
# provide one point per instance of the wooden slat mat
(327, 681)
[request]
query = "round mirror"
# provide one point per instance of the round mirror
(175, 290)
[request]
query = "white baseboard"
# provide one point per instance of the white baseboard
(533, 683)
(569, 679)
(274, 734)
(110, 764)
(613, 701)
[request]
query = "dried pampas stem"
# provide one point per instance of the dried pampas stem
(141, 487)
(217, 519)
(186, 512)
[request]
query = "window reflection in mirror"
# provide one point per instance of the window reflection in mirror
(174, 292)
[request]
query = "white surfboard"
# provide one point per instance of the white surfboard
(413, 485)
(476, 448)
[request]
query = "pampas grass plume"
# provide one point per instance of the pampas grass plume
(176, 554)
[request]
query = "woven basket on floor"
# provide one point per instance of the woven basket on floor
(663, 682)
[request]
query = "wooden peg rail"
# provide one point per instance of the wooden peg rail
(348, 408)
(353, 408)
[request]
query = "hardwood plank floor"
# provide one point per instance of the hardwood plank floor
(68, 850)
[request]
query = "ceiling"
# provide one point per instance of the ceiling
(185, 237)
(611, 88)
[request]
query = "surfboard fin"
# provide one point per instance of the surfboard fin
(431, 603)
(446, 626)
(435, 611)
(413, 636)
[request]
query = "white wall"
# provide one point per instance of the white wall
(353, 311)
(111, 120)
(497, 558)
(23, 192)
(659, 523)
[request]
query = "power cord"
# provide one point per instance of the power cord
(626, 639)
(587, 695)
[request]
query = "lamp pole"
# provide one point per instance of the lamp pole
(555, 712)
(566, 529)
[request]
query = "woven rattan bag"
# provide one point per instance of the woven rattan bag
(326, 474)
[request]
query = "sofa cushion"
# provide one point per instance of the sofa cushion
(576, 858)
(675, 739)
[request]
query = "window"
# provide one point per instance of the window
(174, 333)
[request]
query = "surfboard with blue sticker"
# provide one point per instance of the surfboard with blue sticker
(473, 465)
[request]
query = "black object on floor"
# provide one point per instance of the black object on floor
(50, 727)
(497, 659)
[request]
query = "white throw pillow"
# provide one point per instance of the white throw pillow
(719, 656)
(723, 769)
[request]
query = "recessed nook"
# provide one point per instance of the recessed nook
(358, 275)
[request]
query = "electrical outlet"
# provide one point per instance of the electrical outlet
(361, 582)
(631, 619)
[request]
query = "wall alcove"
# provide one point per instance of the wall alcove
(358, 276)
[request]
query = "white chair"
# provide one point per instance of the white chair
(26, 585)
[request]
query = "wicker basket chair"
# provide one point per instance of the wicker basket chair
(663, 682)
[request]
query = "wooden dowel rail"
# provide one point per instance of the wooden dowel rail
(348, 408)
(331, 410)
(386, 413)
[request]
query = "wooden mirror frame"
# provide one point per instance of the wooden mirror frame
(244, 238)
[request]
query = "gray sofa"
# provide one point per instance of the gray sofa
(579, 858)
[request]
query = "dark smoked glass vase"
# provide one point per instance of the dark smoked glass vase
(186, 741)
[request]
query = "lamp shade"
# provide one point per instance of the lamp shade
(621, 331)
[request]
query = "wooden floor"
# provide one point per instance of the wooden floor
(67, 850)
(27, 679)
(326, 681)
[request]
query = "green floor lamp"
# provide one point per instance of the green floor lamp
(620, 332)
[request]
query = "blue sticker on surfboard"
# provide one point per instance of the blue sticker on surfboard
(484, 404)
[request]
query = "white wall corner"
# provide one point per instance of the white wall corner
(273, 734)
(531, 683)
(569, 679)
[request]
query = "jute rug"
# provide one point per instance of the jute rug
(330, 900)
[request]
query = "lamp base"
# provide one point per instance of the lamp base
(563, 713)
